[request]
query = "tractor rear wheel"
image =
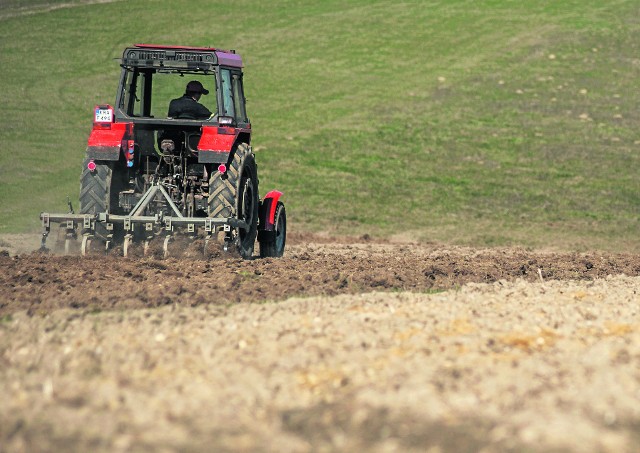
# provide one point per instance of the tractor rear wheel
(100, 189)
(274, 246)
(234, 194)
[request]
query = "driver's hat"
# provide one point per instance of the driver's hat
(196, 87)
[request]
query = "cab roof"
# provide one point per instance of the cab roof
(223, 57)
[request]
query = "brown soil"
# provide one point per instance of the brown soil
(366, 346)
(39, 283)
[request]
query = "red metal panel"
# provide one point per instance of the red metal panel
(212, 140)
(108, 137)
(274, 196)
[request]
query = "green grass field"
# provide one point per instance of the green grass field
(485, 123)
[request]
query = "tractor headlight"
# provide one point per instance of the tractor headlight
(225, 120)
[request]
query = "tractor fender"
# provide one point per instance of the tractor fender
(215, 144)
(267, 211)
(105, 143)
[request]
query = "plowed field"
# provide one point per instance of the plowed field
(342, 345)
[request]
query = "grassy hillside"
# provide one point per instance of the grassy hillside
(488, 122)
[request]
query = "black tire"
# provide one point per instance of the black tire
(223, 188)
(99, 190)
(248, 206)
(274, 247)
(234, 194)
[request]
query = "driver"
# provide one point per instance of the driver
(187, 106)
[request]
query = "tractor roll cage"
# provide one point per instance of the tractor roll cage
(137, 84)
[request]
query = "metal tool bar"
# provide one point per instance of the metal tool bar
(47, 217)
(104, 217)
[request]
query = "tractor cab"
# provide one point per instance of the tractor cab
(152, 76)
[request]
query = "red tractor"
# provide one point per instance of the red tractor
(158, 163)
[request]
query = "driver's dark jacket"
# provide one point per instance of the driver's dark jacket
(188, 108)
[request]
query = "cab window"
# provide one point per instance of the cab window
(228, 105)
(147, 93)
(238, 96)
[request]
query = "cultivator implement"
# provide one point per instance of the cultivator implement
(107, 232)
(135, 227)
(149, 227)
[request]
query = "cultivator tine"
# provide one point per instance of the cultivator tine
(165, 245)
(43, 241)
(46, 225)
(148, 227)
(70, 236)
(87, 239)
(128, 238)
(109, 240)
(207, 239)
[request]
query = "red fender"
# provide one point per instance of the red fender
(268, 210)
(217, 139)
(215, 144)
(107, 136)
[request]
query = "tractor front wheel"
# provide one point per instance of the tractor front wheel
(273, 245)
(247, 207)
